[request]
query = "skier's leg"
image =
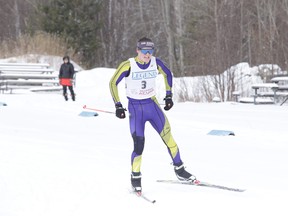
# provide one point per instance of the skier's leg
(137, 124)
(161, 124)
(136, 159)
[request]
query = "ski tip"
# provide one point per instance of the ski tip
(140, 194)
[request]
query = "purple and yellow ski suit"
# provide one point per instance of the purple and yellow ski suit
(144, 106)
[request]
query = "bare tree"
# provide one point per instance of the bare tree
(194, 37)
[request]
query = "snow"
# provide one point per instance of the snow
(265, 85)
(54, 162)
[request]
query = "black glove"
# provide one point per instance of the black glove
(120, 111)
(168, 102)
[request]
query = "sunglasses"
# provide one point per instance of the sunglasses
(145, 51)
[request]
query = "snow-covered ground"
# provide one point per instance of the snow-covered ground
(54, 162)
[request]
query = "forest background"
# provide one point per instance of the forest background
(193, 37)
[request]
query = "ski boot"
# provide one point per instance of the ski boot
(182, 174)
(136, 181)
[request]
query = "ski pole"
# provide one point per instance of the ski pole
(105, 111)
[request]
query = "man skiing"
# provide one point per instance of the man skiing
(66, 75)
(140, 75)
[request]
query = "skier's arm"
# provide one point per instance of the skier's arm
(167, 74)
(121, 72)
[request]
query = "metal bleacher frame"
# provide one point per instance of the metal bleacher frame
(32, 76)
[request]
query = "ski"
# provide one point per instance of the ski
(203, 184)
(141, 195)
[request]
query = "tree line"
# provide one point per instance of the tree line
(193, 37)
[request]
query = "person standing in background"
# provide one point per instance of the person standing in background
(66, 75)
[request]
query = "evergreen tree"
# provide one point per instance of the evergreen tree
(75, 20)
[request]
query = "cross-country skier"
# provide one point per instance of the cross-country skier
(140, 74)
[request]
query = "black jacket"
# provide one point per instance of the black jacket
(66, 71)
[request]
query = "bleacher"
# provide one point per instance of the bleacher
(29, 76)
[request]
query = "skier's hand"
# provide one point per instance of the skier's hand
(168, 102)
(120, 111)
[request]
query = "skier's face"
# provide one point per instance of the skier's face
(145, 55)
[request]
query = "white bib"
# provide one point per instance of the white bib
(141, 83)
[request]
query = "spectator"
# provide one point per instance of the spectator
(66, 76)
